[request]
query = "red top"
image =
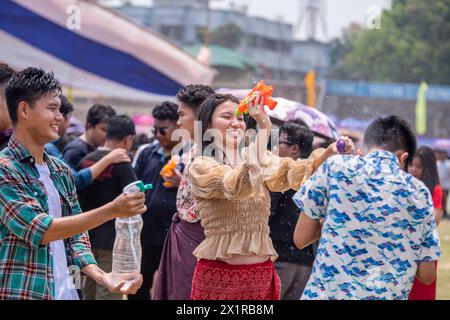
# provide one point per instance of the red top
(437, 197)
(419, 290)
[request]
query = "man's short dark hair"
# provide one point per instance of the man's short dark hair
(391, 133)
(29, 85)
(6, 73)
(120, 127)
(166, 111)
(193, 95)
(66, 106)
(99, 113)
(299, 135)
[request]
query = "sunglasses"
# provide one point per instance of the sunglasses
(162, 131)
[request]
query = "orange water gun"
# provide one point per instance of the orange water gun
(266, 92)
(168, 171)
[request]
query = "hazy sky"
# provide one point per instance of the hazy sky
(338, 15)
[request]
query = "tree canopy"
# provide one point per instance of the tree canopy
(412, 45)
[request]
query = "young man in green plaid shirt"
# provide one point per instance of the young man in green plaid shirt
(42, 229)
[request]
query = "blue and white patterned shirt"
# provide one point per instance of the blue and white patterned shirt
(379, 224)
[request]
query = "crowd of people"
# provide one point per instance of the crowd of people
(237, 219)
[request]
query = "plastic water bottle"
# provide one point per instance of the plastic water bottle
(127, 251)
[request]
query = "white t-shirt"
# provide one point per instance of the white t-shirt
(63, 290)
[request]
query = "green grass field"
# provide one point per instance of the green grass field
(443, 282)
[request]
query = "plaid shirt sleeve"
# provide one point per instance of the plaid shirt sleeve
(20, 212)
(78, 247)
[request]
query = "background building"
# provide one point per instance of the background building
(278, 57)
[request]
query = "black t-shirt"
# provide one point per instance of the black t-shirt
(75, 151)
(104, 189)
(283, 219)
(161, 201)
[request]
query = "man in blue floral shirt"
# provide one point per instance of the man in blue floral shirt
(375, 221)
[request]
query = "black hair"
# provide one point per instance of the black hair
(29, 85)
(99, 113)
(207, 109)
(391, 133)
(430, 174)
(120, 127)
(299, 135)
(193, 96)
(299, 122)
(250, 122)
(166, 111)
(66, 106)
(140, 140)
(6, 73)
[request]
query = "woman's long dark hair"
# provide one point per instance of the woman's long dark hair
(429, 168)
(206, 112)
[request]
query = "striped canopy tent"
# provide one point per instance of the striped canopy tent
(108, 54)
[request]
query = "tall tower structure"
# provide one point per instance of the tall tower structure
(311, 18)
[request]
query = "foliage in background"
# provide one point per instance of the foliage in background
(412, 45)
(229, 35)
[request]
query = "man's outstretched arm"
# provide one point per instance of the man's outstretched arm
(124, 205)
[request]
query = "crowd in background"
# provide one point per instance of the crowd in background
(109, 155)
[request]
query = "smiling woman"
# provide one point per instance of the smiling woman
(232, 192)
(221, 123)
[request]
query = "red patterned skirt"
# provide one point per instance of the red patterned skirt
(217, 280)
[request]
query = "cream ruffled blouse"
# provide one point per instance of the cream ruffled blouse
(234, 203)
